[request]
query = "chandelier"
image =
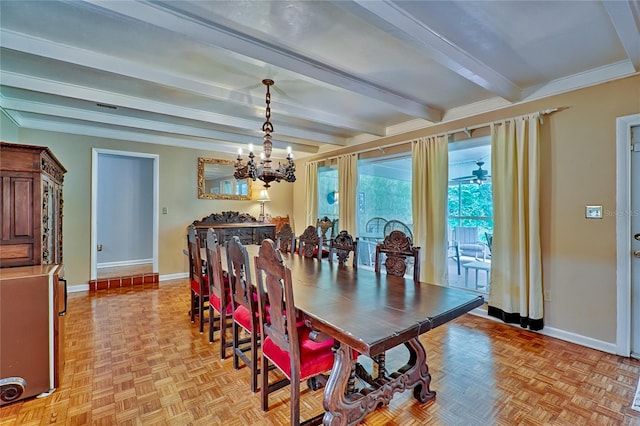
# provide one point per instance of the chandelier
(264, 171)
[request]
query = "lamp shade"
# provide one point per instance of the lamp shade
(263, 196)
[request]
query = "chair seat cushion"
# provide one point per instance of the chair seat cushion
(195, 287)
(315, 357)
(215, 302)
(243, 317)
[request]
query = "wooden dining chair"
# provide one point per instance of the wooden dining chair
(310, 244)
(198, 279)
(245, 309)
(325, 228)
(286, 239)
(286, 342)
(399, 250)
(341, 246)
(219, 293)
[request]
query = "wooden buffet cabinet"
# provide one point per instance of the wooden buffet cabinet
(229, 224)
(31, 204)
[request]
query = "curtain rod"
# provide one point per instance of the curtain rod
(466, 130)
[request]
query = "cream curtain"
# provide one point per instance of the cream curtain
(430, 158)
(516, 272)
(311, 211)
(347, 187)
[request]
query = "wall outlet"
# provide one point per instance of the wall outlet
(547, 295)
(165, 210)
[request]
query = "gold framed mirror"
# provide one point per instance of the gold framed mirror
(216, 181)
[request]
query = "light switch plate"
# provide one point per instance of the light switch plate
(593, 212)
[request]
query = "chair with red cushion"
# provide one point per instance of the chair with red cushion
(245, 308)
(286, 239)
(310, 243)
(400, 253)
(341, 246)
(219, 293)
(198, 278)
(286, 342)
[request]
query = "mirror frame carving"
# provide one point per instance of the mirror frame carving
(202, 161)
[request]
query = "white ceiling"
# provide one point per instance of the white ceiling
(189, 73)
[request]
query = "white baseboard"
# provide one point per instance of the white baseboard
(567, 336)
(123, 263)
(173, 276)
(77, 288)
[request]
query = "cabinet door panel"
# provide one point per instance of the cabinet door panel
(22, 201)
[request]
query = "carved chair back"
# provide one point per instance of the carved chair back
(286, 239)
(214, 267)
(309, 243)
(399, 250)
(195, 262)
(324, 225)
(275, 289)
(242, 289)
(280, 221)
(199, 291)
(342, 245)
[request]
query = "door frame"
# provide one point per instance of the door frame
(623, 231)
(95, 152)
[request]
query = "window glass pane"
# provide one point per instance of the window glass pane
(384, 191)
(470, 209)
(328, 196)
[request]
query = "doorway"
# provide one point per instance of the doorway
(124, 211)
(627, 225)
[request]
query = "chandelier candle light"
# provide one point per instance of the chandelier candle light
(264, 171)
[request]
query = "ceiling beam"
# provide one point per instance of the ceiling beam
(116, 99)
(116, 119)
(625, 16)
(214, 32)
(39, 122)
(395, 20)
(154, 75)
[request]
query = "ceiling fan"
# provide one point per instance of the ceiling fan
(478, 176)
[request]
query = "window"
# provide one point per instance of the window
(384, 193)
(470, 213)
(328, 196)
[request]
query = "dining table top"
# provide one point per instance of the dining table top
(368, 311)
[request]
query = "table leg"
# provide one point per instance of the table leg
(344, 408)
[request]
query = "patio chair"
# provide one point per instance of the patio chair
(468, 242)
(396, 225)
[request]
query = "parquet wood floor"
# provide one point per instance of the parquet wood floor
(133, 358)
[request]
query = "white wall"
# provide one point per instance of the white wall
(125, 208)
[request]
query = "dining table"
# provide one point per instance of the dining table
(370, 313)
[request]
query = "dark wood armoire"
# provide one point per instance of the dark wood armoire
(31, 201)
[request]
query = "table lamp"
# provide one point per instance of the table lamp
(263, 197)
